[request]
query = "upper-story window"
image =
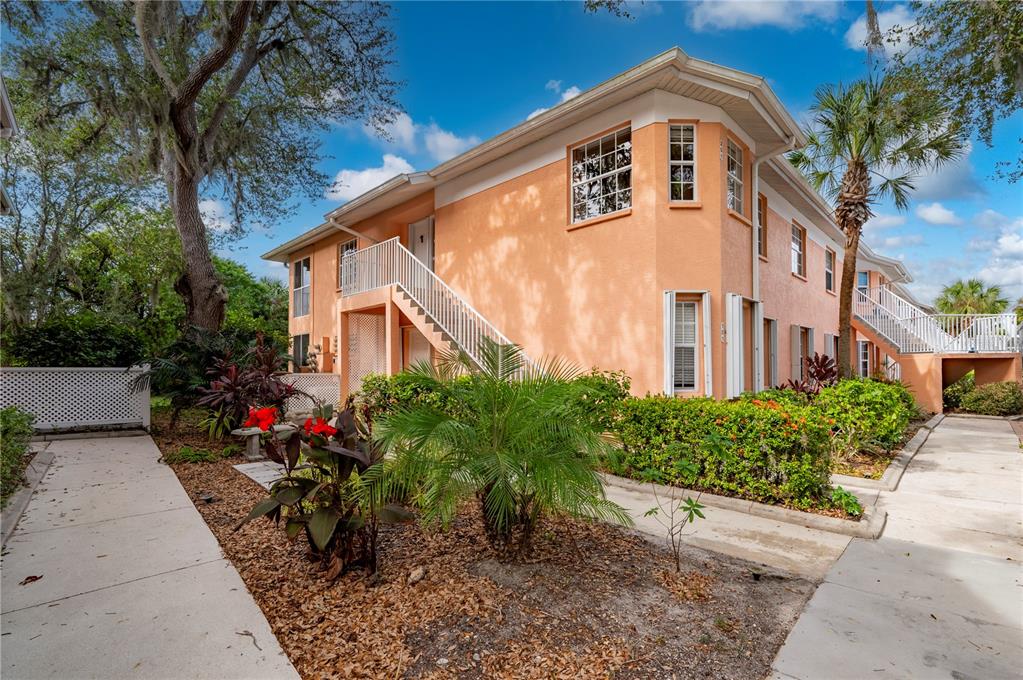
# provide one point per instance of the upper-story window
(863, 281)
(761, 225)
(300, 297)
(344, 249)
(735, 175)
(829, 270)
(798, 250)
(602, 175)
(682, 162)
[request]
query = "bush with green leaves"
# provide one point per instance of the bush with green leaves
(763, 450)
(515, 436)
(952, 396)
(867, 412)
(15, 433)
(995, 399)
(84, 339)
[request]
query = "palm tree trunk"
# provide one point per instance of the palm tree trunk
(845, 306)
(851, 212)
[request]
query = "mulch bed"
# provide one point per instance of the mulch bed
(871, 463)
(592, 600)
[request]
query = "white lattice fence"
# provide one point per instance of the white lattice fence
(323, 387)
(366, 345)
(76, 398)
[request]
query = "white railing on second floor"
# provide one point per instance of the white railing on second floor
(911, 329)
(391, 264)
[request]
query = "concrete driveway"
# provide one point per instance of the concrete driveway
(112, 573)
(940, 594)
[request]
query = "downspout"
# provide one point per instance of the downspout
(349, 230)
(755, 265)
(758, 317)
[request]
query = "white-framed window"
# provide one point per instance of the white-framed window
(602, 175)
(798, 250)
(343, 249)
(863, 357)
(735, 177)
(302, 279)
(829, 270)
(684, 368)
(863, 281)
(682, 162)
(299, 350)
(762, 225)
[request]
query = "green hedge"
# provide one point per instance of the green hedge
(876, 413)
(76, 340)
(764, 450)
(15, 433)
(952, 396)
(994, 399)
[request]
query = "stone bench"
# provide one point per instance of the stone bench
(253, 448)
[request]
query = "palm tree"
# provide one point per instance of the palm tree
(1018, 309)
(868, 142)
(971, 297)
(515, 436)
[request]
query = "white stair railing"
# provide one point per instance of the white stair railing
(912, 330)
(391, 264)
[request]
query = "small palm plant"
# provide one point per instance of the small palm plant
(514, 435)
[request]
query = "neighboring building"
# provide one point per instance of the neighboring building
(8, 128)
(652, 225)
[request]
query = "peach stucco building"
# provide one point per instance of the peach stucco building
(651, 224)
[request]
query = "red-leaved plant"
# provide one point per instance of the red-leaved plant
(335, 489)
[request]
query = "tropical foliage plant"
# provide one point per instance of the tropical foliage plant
(870, 141)
(335, 489)
(820, 371)
(514, 436)
(15, 433)
(994, 399)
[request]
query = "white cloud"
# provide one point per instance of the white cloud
(936, 213)
(215, 215)
(565, 95)
(1005, 265)
(443, 145)
(738, 14)
(992, 219)
(880, 222)
(950, 181)
(901, 241)
(409, 136)
(980, 245)
(351, 183)
(899, 15)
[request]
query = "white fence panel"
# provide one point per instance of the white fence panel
(324, 387)
(76, 398)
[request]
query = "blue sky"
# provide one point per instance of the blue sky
(473, 70)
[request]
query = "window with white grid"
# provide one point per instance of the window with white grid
(798, 250)
(300, 298)
(682, 162)
(735, 177)
(342, 250)
(829, 270)
(685, 346)
(602, 175)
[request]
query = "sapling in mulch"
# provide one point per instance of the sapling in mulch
(673, 511)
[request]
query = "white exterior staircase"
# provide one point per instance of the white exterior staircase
(912, 330)
(431, 304)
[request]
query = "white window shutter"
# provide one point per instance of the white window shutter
(809, 343)
(795, 360)
(829, 344)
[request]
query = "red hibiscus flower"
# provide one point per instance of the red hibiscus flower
(320, 427)
(263, 418)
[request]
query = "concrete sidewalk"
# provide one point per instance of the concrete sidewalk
(940, 594)
(112, 573)
(781, 545)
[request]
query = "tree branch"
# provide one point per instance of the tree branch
(149, 48)
(215, 59)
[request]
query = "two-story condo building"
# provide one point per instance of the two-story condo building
(651, 224)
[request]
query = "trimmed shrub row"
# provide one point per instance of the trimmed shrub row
(15, 433)
(993, 399)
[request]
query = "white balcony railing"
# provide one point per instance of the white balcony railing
(391, 264)
(912, 330)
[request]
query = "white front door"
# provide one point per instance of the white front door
(420, 237)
